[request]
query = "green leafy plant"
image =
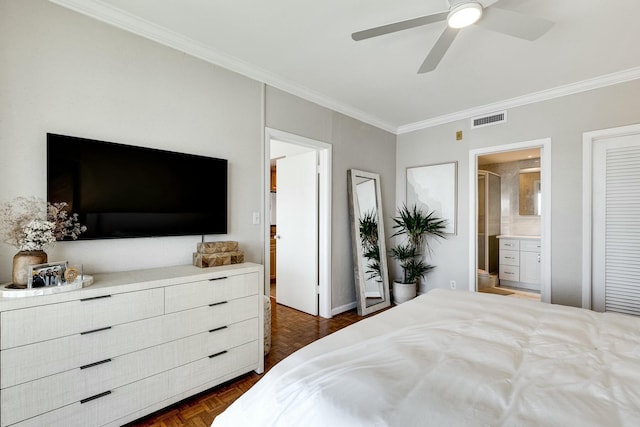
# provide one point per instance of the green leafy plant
(369, 240)
(418, 226)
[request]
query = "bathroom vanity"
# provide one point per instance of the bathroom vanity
(520, 261)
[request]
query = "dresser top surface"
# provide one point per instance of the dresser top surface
(130, 281)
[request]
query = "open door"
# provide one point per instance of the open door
(297, 235)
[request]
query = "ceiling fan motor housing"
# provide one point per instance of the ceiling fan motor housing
(464, 13)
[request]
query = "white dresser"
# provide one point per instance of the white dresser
(520, 261)
(132, 343)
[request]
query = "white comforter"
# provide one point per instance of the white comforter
(457, 359)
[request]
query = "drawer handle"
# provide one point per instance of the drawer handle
(218, 329)
(95, 330)
(91, 365)
(92, 298)
(97, 396)
(218, 303)
(218, 278)
(510, 257)
(217, 354)
(508, 272)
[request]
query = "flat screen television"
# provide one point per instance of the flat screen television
(121, 190)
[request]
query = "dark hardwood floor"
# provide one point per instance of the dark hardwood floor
(290, 330)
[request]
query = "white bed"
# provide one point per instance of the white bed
(457, 359)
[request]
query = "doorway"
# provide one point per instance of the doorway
(510, 238)
(306, 169)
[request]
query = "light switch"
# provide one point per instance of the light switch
(256, 218)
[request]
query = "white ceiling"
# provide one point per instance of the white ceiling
(305, 48)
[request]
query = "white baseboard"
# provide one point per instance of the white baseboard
(343, 308)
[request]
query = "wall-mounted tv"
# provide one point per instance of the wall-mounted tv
(121, 190)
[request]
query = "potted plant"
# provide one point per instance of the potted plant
(418, 226)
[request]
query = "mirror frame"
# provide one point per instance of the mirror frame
(359, 266)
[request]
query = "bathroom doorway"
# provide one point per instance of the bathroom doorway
(509, 227)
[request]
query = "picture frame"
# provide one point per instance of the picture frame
(435, 188)
(47, 275)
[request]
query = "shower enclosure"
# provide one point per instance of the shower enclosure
(488, 221)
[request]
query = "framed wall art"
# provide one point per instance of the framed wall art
(435, 188)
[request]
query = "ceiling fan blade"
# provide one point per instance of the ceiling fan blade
(399, 26)
(438, 50)
(513, 23)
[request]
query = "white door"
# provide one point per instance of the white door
(616, 224)
(297, 232)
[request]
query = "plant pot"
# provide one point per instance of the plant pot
(403, 292)
(21, 262)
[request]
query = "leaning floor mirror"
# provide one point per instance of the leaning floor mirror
(368, 241)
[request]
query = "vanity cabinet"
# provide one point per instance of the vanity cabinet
(520, 262)
(132, 343)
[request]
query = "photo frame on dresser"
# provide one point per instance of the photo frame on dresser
(435, 188)
(45, 275)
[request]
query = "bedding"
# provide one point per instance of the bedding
(450, 358)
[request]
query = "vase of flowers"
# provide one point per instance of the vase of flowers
(32, 225)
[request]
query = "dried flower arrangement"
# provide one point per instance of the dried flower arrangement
(30, 224)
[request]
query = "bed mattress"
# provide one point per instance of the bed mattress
(452, 358)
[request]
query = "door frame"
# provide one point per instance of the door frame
(324, 151)
(588, 141)
(545, 183)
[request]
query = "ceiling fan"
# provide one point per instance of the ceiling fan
(461, 14)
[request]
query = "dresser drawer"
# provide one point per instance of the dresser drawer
(509, 257)
(30, 325)
(203, 319)
(510, 244)
(196, 294)
(217, 366)
(530, 245)
(509, 272)
(55, 391)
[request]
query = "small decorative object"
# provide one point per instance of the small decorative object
(71, 274)
(21, 262)
(212, 254)
(31, 225)
(417, 225)
(49, 274)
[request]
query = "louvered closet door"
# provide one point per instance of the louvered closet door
(616, 224)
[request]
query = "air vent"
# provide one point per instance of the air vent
(491, 119)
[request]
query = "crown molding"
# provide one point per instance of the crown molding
(133, 24)
(532, 98)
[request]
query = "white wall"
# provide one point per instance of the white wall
(563, 120)
(355, 145)
(65, 73)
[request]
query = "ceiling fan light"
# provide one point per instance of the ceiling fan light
(464, 14)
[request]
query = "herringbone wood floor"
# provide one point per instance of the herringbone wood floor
(290, 330)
